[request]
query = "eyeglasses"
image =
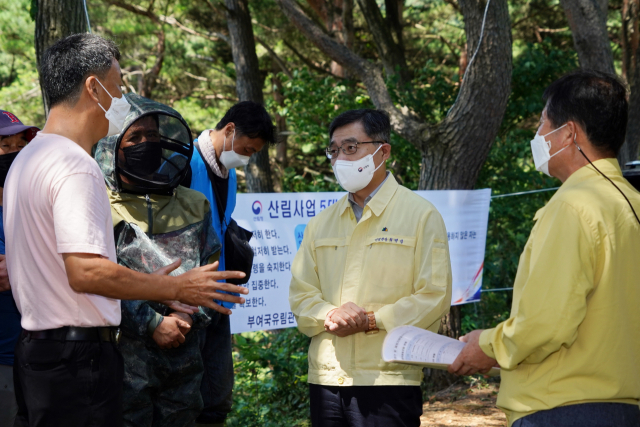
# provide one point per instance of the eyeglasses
(347, 148)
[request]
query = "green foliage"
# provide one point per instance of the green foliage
(19, 87)
(271, 379)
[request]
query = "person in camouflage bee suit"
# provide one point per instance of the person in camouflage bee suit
(157, 222)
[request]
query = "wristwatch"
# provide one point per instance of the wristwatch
(373, 329)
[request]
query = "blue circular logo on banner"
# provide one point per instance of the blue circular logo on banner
(256, 207)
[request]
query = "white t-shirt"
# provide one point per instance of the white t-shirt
(55, 202)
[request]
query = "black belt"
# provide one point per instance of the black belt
(75, 333)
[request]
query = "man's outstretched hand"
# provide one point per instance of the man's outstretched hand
(201, 286)
(472, 359)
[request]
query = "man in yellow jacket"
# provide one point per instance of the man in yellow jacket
(375, 260)
(569, 351)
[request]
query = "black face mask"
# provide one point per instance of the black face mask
(143, 159)
(5, 164)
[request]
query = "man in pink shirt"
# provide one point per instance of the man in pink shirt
(61, 252)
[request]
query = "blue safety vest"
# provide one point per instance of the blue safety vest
(200, 182)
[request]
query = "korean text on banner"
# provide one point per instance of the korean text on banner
(278, 221)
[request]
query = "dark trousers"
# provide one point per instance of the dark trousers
(68, 383)
(365, 406)
(584, 415)
(162, 386)
(217, 381)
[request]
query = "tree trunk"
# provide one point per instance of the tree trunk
(281, 123)
(391, 52)
(348, 30)
(248, 86)
(454, 152)
(630, 44)
(56, 19)
(629, 150)
(394, 9)
(337, 17)
(588, 22)
(150, 78)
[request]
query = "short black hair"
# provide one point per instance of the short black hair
(376, 123)
(596, 101)
(68, 62)
(251, 120)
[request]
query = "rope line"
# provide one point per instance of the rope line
(464, 76)
(86, 14)
(524, 192)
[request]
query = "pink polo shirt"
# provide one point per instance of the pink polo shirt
(55, 202)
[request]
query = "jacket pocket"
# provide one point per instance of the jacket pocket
(330, 256)
(322, 353)
(389, 267)
(331, 242)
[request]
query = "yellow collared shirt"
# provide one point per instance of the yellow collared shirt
(394, 262)
(574, 331)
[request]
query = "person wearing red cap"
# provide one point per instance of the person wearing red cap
(13, 137)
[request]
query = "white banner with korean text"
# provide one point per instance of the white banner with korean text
(278, 221)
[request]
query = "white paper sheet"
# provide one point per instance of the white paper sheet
(415, 346)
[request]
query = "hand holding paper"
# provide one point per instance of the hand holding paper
(471, 359)
(415, 346)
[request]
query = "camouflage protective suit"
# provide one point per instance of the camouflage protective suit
(161, 386)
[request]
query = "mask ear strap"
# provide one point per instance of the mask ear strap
(555, 130)
(233, 138)
(374, 153)
(105, 89)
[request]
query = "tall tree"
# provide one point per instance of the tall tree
(56, 19)
(249, 84)
(453, 150)
(588, 22)
(630, 41)
(337, 16)
(390, 49)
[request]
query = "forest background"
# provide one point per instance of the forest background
(181, 52)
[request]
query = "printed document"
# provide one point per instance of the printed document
(415, 346)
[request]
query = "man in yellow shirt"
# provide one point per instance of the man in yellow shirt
(375, 260)
(569, 351)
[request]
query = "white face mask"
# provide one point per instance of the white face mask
(117, 112)
(541, 149)
(231, 159)
(354, 176)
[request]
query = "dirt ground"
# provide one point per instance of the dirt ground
(464, 406)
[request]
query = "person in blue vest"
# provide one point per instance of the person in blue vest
(13, 137)
(244, 130)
